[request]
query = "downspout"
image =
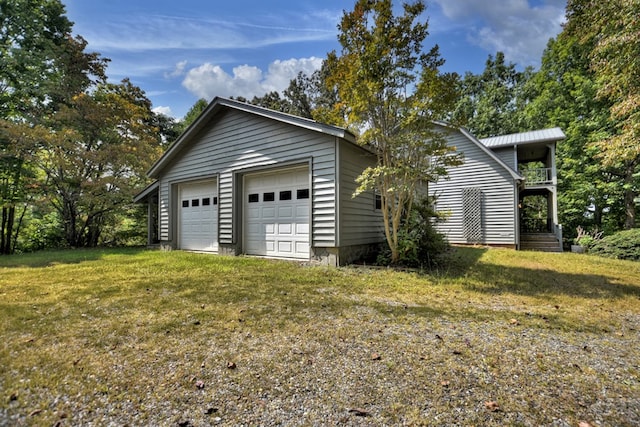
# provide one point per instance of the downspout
(516, 210)
(337, 195)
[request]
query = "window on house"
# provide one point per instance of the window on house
(254, 198)
(378, 201)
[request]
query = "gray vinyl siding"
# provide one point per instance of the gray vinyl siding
(360, 222)
(236, 142)
(497, 185)
(507, 155)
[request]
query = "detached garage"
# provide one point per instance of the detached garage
(247, 180)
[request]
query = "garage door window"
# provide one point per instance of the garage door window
(302, 193)
(185, 203)
(206, 201)
(285, 195)
(254, 198)
(268, 197)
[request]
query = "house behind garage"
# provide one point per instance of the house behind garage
(247, 180)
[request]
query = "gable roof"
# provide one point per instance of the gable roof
(532, 137)
(514, 174)
(218, 105)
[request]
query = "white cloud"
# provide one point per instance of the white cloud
(177, 71)
(163, 110)
(208, 80)
(514, 27)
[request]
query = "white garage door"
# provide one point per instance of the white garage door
(198, 226)
(277, 213)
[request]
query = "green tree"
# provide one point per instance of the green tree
(492, 102)
(390, 92)
(564, 93)
(194, 112)
(613, 29)
(96, 159)
(40, 63)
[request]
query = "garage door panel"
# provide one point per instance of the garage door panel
(269, 212)
(284, 228)
(197, 226)
(282, 224)
(285, 247)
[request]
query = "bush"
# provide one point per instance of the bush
(420, 245)
(622, 245)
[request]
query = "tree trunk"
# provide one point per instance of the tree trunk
(629, 200)
(629, 209)
(8, 217)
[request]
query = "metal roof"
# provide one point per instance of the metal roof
(535, 136)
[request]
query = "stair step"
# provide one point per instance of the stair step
(543, 242)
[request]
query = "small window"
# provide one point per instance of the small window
(285, 195)
(269, 197)
(302, 193)
(378, 202)
(254, 198)
(206, 201)
(185, 203)
(195, 202)
(215, 200)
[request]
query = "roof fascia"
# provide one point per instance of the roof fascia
(217, 104)
(515, 175)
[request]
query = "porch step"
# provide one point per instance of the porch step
(543, 242)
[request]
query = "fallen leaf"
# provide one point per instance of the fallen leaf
(584, 424)
(445, 383)
(199, 385)
(492, 406)
(210, 411)
(231, 365)
(514, 322)
(375, 356)
(35, 412)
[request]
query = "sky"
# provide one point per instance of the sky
(179, 51)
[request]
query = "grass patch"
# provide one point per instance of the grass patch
(128, 336)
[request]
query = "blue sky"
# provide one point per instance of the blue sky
(180, 51)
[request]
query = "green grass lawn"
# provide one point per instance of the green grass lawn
(141, 337)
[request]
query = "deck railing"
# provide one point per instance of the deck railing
(537, 176)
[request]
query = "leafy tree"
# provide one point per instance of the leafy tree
(95, 160)
(272, 101)
(492, 102)
(613, 29)
(39, 64)
(390, 91)
(564, 94)
(193, 113)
